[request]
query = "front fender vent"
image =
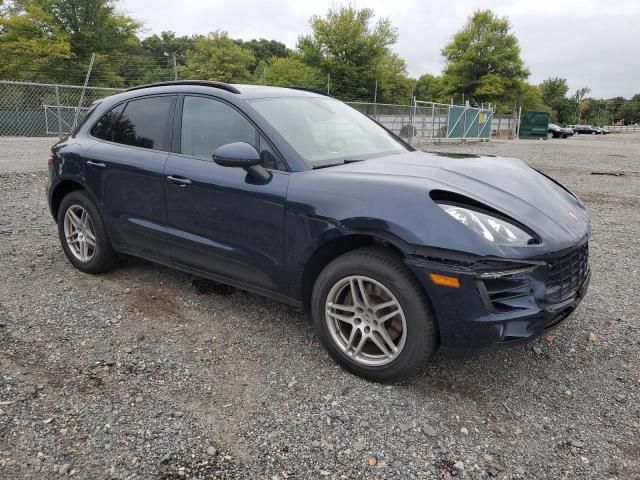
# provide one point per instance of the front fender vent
(505, 295)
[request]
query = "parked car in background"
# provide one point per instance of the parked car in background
(296, 196)
(602, 130)
(556, 131)
(584, 129)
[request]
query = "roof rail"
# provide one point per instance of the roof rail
(313, 90)
(203, 83)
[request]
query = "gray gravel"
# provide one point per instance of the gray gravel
(20, 154)
(140, 374)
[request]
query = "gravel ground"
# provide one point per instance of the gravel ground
(144, 373)
(20, 154)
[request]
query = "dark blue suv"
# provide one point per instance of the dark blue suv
(294, 195)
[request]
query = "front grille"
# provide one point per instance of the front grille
(566, 274)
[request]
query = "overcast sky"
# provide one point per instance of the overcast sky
(594, 43)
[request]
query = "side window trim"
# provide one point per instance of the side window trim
(177, 128)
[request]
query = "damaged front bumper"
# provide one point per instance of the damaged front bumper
(503, 302)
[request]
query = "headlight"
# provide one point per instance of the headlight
(494, 229)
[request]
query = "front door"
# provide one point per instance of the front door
(220, 220)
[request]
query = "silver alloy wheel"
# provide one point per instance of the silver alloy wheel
(365, 320)
(79, 233)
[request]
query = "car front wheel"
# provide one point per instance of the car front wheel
(83, 235)
(372, 316)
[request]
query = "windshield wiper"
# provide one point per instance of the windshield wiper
(341, 162)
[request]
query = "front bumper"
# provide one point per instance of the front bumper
(502, 303)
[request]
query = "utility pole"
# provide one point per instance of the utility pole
(175, 67)
(84, 87)
(375, 101)
(328, 84)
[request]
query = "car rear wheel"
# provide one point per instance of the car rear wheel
(83, 236)
(549, 135)
(372, 316)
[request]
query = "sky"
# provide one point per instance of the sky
(593, 43)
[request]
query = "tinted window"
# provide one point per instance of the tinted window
(103, 127)
(208, 124)
(85, 117)
(144, 123)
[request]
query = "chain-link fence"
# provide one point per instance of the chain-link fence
(33, 116)
(428, 122)
(40, 109)
(45, 112)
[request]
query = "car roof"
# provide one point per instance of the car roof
(243, 91)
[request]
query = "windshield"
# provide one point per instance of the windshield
(326, 131)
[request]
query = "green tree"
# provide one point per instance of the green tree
(161, 48)
(429, 88)
(265, 50)
(530, 98)
(31, 47)
(394, 86)
(483, 61)
(293, 72)
(553, 91)
(348, 46)
(580, 103)
(59, 36)
(218, 57)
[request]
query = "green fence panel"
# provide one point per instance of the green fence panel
(455, 125)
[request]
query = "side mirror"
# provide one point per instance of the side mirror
(243, 155)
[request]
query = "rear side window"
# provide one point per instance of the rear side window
(145, 123)
(208, 124)
(103, 129)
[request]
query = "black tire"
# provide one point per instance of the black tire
(104, 258)
(388, 269)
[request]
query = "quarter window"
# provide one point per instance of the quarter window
(144, 123)
(103, 127)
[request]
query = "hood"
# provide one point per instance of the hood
(504, 184)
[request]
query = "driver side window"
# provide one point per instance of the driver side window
(208, 124)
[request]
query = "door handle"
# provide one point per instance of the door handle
(95, 164)
(180, 181)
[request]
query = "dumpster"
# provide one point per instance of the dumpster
(534, 125)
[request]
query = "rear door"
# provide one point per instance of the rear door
(220, 220)
(125, 171)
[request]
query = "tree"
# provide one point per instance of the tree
(265, 50)
(292, 72)
(394, 86)
(483, 61)
(349, 47)
(161, 48)
(579, 102)
(218, 57)
(59, 36)
(553, 91)
(530, 98)
(31, 47)
(428, 88)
